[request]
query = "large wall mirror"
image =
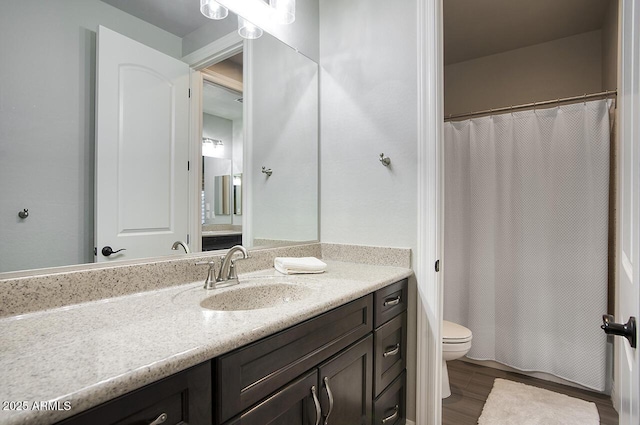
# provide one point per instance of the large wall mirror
(52, 136)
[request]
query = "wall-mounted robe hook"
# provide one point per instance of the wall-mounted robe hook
(267, 171)
(385, 160)
(24, 213)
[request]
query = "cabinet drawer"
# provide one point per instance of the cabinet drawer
(390, 301)
(390, 407)
(185, 398)
(247, 375)
(390, 342)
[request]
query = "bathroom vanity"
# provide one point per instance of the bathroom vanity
(344, 366)
(337, 354)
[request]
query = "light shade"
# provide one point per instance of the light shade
(247, 30)
(213, 10)
(284, 11)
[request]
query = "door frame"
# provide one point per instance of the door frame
(626, 37)
(430, 192)
(212, 53)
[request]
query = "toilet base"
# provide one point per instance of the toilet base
(446, 388)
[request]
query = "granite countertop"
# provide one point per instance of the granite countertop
(206, 233)
(86, 354)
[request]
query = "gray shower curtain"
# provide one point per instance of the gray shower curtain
(526, 225)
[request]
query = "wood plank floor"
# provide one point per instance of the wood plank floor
(471, 385)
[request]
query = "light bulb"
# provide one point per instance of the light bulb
(213, 10)
(247, 30)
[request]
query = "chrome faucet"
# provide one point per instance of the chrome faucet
(176, 244)
(227, 273)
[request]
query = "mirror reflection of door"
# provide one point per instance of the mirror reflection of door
(222, 144)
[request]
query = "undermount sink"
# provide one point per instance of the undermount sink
(256, 297)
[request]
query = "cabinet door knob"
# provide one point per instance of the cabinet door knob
(330, 395)
(160, 419)
(314, 393)
(396, 410)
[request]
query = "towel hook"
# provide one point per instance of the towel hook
(267, 171)
(385, 160)
(23, 214)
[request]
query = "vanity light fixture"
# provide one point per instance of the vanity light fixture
(212, 147)
(247, 30)
(279, 11)
(213, 10)
(215, 142)
(284, 11)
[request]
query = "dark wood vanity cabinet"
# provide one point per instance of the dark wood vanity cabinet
(343, 367)
(355, 368)
(213, 243)
(183, 398)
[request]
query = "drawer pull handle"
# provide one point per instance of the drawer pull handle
(330, 395)
(392, 301)
(396, 410)
(392, 352)
(314, 393)
(160, 419)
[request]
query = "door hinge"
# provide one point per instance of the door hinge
(188, 165)
(188, 239)
(189, 93)
(437, 265)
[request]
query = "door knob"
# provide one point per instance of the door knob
(107, 251)
(627, 330)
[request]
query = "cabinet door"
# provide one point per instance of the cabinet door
(346, 383)
(295, 404)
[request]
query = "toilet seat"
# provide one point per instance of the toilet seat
(453, 333)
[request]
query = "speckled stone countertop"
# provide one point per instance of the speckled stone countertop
(92, 352)
(206, 233)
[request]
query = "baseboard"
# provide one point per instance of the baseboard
(410, 422)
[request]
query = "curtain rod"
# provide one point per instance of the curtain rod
(534, 105)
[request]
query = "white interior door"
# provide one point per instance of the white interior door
(142, 129)
(628, 261)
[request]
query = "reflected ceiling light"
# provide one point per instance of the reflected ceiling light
(284, 11)
(213, 10)
(247, 30)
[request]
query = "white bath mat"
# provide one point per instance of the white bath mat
(513, 403)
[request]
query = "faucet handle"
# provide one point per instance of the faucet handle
(210, 282)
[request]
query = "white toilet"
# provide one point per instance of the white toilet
(456, 342)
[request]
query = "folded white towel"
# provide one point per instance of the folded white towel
(292, 265)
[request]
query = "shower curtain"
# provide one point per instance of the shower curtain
(525, 250)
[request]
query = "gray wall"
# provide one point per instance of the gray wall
(570, 66)
(284, 114)
(368, 102)
(219, 128)
(47, 77)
